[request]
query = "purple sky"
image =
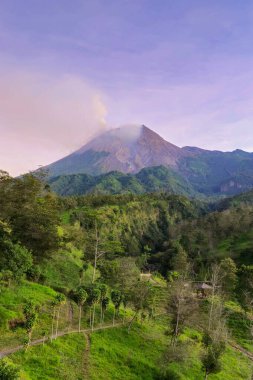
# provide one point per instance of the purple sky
(71, 68)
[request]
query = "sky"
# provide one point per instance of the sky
(70, 69)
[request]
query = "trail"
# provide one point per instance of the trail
(37, 342)
(242, 350)
(86, 358)
(237, 347)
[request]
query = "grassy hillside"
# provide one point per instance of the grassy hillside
(11, 303)
(115, 354)
(62, 359)
(48, 288)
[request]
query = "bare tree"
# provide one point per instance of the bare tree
(182, 305)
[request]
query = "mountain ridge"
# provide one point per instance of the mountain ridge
(125, 149)
(130, 149)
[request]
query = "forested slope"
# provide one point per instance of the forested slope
(130, 263)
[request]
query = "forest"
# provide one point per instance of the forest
(124, 286)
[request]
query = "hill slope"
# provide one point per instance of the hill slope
(148, 180)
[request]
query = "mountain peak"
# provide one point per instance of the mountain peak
(128, 149)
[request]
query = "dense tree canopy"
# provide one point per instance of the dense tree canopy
(31, 211)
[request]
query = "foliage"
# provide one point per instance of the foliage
(13, 257)
(182, 306)
(116, 298)
(211, 357)
(245, 286)
(228, 275)
(59, 360)
(81, 296)
(148, 180)
(8, 371)
(31, 212)
(217, 235)
(30, 314)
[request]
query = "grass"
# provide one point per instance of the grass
(13, 298)
(115, 354)
(62, 270)
(62, 359)
(240, 328)
(11, 303)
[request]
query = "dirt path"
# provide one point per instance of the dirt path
(86, 359)
(36, 342)
(242, 350)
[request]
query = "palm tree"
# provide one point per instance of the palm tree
(103, 293)
(30, 315)
(60, 299)
(94, 297)
(81, 296)
(104, 305)
(116, 298)
(53, 304)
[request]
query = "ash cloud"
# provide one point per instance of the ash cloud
(43, 118)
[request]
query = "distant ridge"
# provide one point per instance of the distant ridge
(148, 180)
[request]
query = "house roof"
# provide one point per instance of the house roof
(203, 285)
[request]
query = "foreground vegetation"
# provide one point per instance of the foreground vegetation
(176, 274)
(62, 359)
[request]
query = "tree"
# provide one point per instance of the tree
(180, 262)
(228, 275)
(53, 304)
(245, 286)
(81, 296)
(216, 287)
(30, 314)
(8, 371)
(215, 334)
(104, 305)
(100, 242)
(181, 306)
(34, 273)
(13, 257)
(119, 273)
(116, 298)
(82, 271)
(93, 298)
(212, 354)
(139, 297)
(4, 176)
(31, 211)
(103, 294)
(6, 276)
(60, 300)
